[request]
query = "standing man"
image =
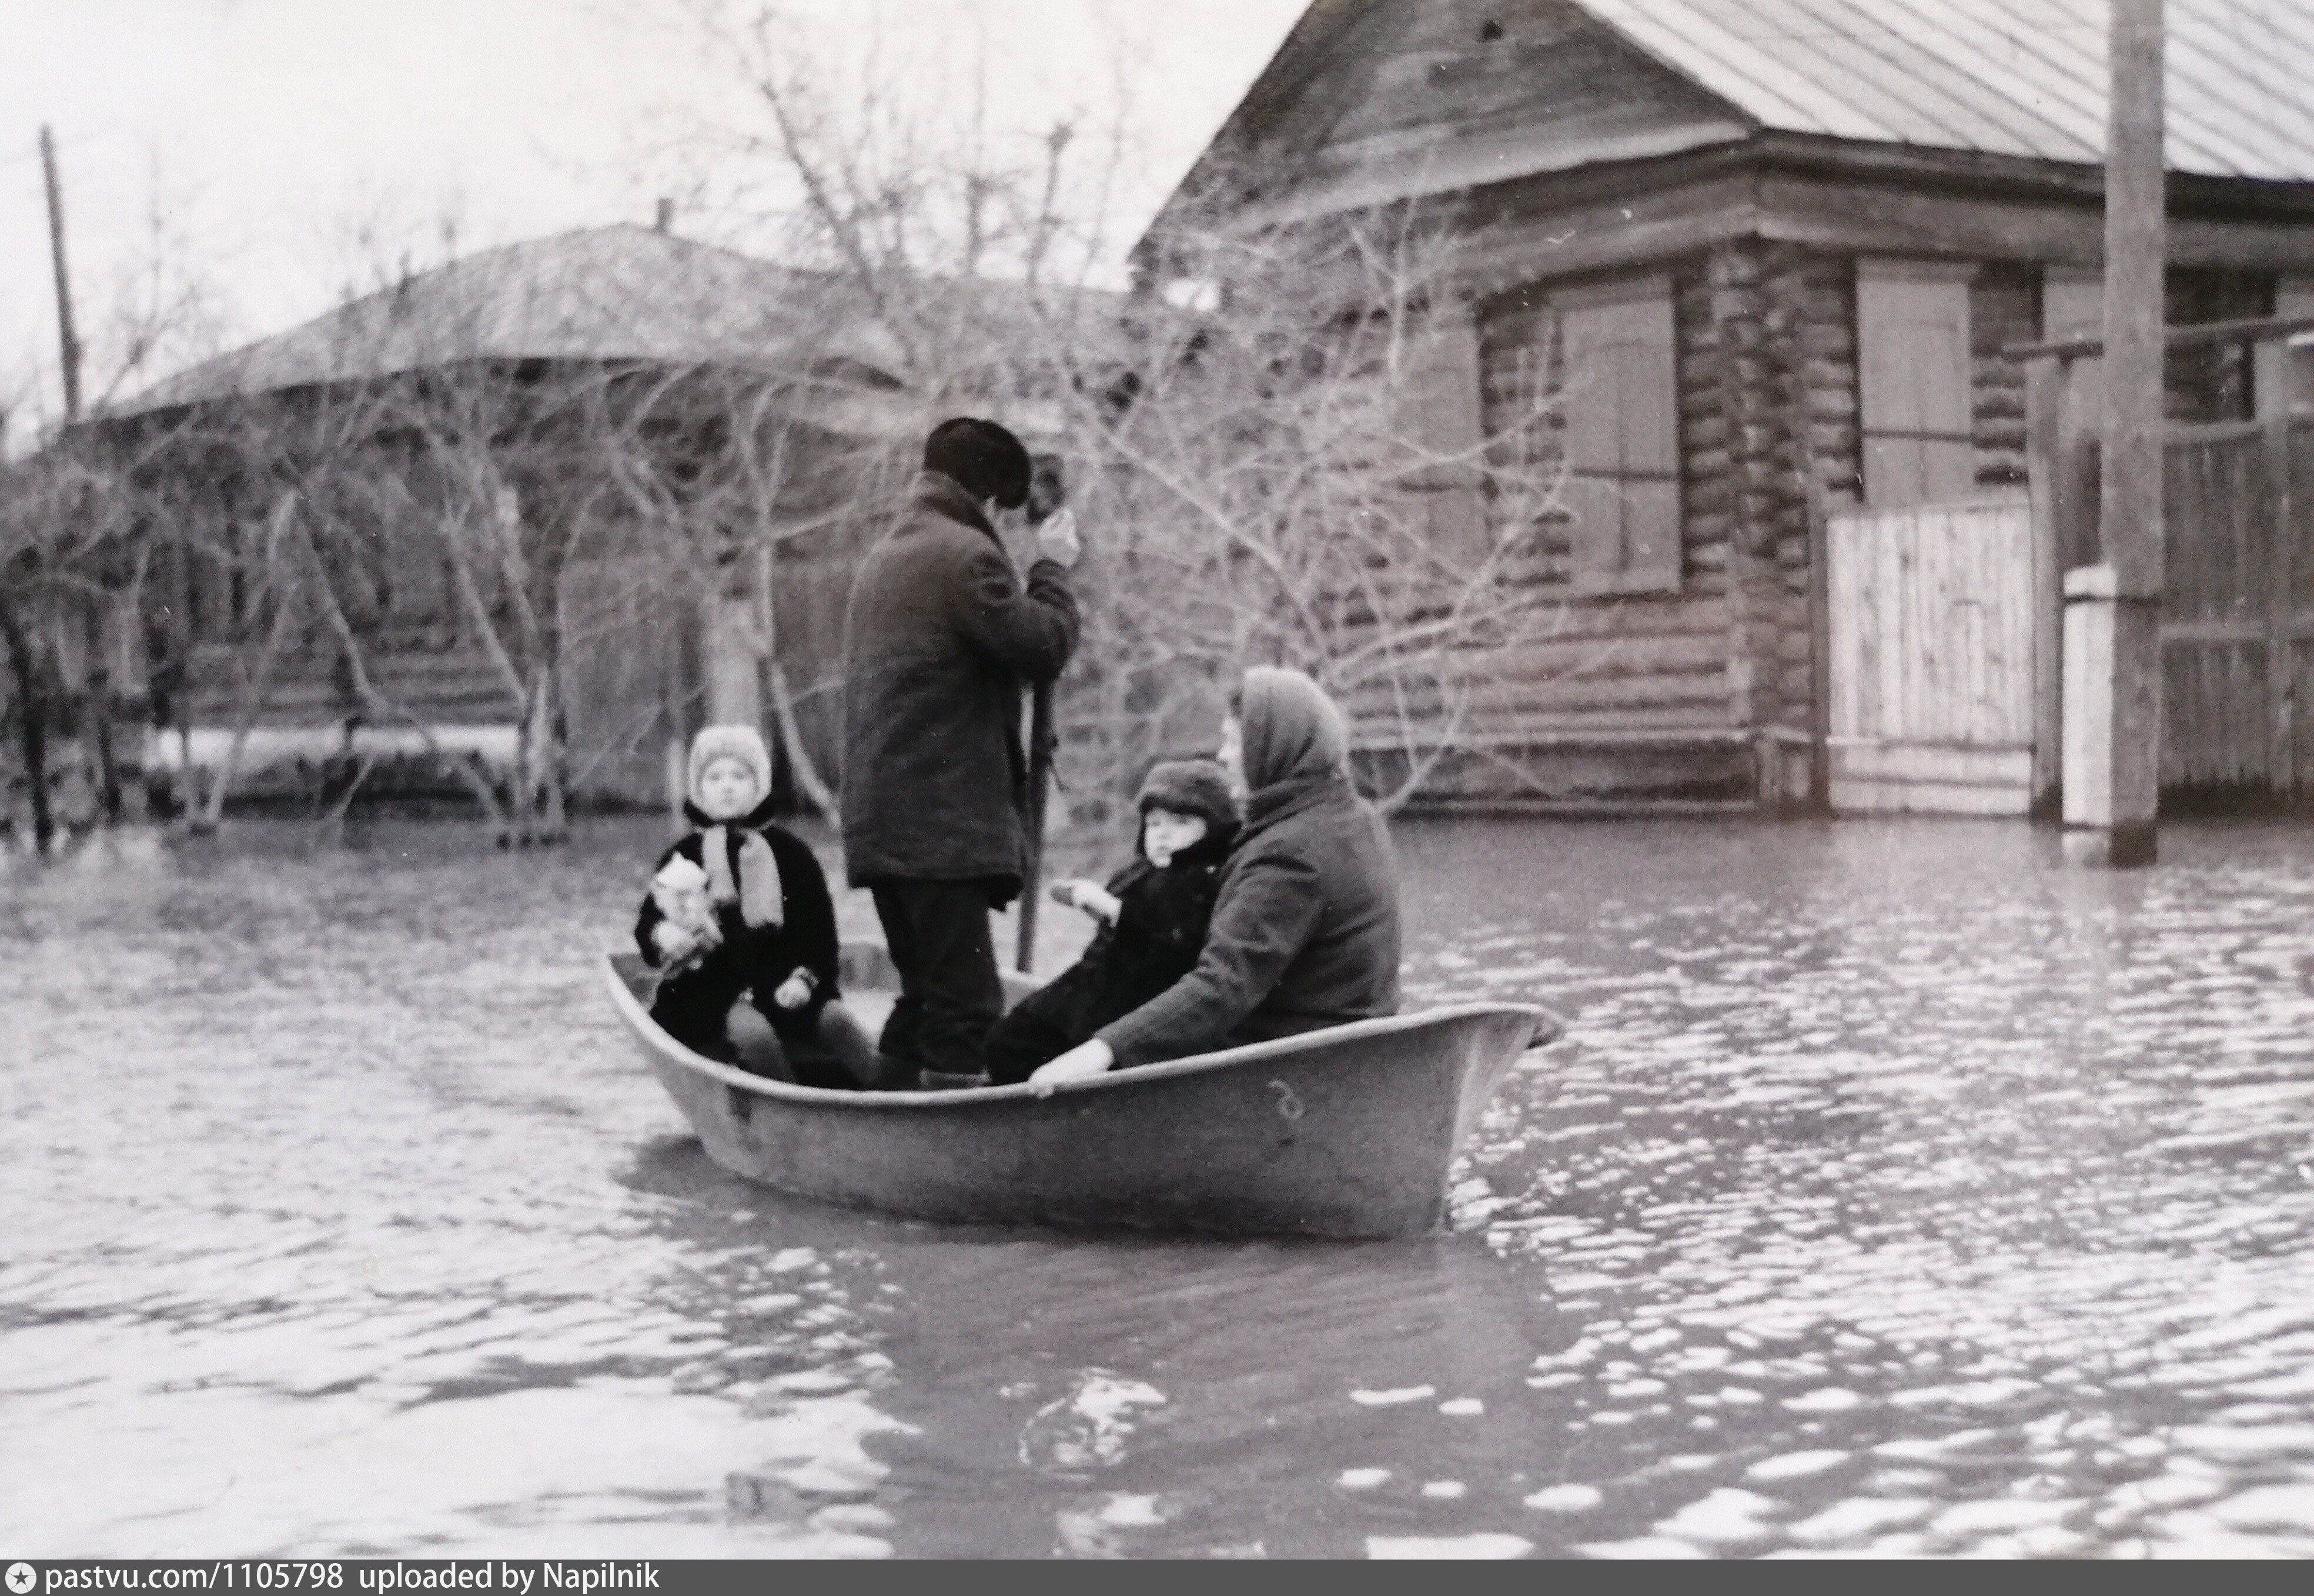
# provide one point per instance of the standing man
(941, 636)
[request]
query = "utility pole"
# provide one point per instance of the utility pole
(2113, 610)
(68, 339)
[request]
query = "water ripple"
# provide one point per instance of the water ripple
(1897, 1192)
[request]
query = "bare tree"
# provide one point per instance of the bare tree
(74, 560)
(77, 552)
(1302, 460)
(1293, 468)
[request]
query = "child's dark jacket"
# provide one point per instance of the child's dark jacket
(1157, 938)
(804, 937)
(1159, 929)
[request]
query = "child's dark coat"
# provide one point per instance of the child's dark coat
(692, 1006)
(1158, 933)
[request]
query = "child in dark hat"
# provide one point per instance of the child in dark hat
(741, 905)
(1153, 914)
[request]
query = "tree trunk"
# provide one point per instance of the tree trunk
(555, 818)
(208, 810)
(100, 709)
(816, 789)
(31, 694)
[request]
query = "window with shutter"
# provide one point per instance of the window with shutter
(1912, 320)
(1439, 423)
(1619, 397)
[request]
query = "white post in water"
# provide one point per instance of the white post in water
(2113, 621)
(2088, 773)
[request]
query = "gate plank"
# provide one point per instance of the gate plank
(1931, 656)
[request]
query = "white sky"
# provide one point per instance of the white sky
(263, 134)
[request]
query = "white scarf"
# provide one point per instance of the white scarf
(762, 900)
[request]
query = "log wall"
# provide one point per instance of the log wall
(1768, 396)
(2004, 308)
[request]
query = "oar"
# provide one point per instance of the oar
(1040, 780)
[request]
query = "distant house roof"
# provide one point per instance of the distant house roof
(620, 292)
(1372, 101)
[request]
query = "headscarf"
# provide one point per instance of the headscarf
(1291, 730)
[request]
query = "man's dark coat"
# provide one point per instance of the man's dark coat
(940, 640)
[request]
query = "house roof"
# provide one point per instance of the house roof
(618, 294)
(1372, 101)
(2008, 77)
(600, 294)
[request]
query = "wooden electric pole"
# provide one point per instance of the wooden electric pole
(2113, 632)
(68, 341)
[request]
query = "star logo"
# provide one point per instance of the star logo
(21, 1578)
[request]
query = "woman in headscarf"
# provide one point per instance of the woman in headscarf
(1305, 933)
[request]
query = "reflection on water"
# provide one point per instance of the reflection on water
(1898, 1191)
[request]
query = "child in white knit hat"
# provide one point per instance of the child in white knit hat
(740, 905)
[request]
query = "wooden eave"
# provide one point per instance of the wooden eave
(841, 408)
(1854, 198)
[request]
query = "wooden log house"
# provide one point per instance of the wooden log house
(1770, 255)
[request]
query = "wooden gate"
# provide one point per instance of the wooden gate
(1931, 640)
(2238, 610)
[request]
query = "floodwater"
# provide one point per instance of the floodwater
(1896, 1191)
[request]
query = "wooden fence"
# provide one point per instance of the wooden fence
(2238, 596)
(2238, 610)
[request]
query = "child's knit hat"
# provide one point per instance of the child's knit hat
(1191, 787)
(742, 743)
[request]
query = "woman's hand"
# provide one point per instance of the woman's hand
(796, 991)
(675, 945)
(1089, 1059)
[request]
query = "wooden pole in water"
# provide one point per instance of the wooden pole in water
(2117, 654)
(68, 339)
(1047, 491)
(1040, 783)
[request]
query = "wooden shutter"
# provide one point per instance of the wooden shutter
(1911, 322)
(1438, 415)
(2292, 297)
(1619, 396)
(2072, 305)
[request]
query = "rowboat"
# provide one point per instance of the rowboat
(1347, 1131)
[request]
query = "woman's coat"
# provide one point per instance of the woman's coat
(1305, 933)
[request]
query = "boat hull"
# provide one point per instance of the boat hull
(1348, 1132)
